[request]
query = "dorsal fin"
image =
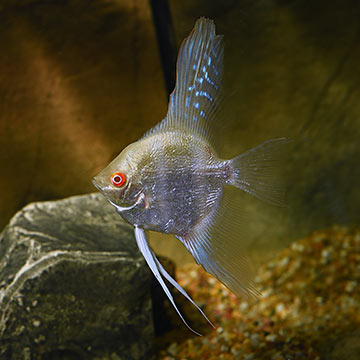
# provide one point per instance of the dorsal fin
(197, 95)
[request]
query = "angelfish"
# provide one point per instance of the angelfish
(173, 181)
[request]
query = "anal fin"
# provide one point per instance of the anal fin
(216, 243)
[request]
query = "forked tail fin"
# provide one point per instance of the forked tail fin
(257, 171)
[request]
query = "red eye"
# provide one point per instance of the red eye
(118, 179)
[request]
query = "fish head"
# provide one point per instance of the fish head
(119, 182)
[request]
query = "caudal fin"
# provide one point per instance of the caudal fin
(257, 171)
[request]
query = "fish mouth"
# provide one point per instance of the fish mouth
(95, 183)
(103, 189)
(109, 197)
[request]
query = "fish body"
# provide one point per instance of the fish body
(173, 181)
(181, 178)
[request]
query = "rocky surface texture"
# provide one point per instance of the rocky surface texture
(73, 284)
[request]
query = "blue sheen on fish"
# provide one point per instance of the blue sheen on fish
(175, 182)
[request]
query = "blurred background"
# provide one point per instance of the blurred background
(80, 80)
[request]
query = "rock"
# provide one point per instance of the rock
(73, 284)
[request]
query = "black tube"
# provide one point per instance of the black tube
(166, 41)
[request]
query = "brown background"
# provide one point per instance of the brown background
(80, 80)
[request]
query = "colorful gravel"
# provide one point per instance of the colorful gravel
(310, 299)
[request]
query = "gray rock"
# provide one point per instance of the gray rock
(73, 284)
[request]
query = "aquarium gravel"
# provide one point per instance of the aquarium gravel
(310, 299)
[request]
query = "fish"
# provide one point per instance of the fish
(173, 181)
